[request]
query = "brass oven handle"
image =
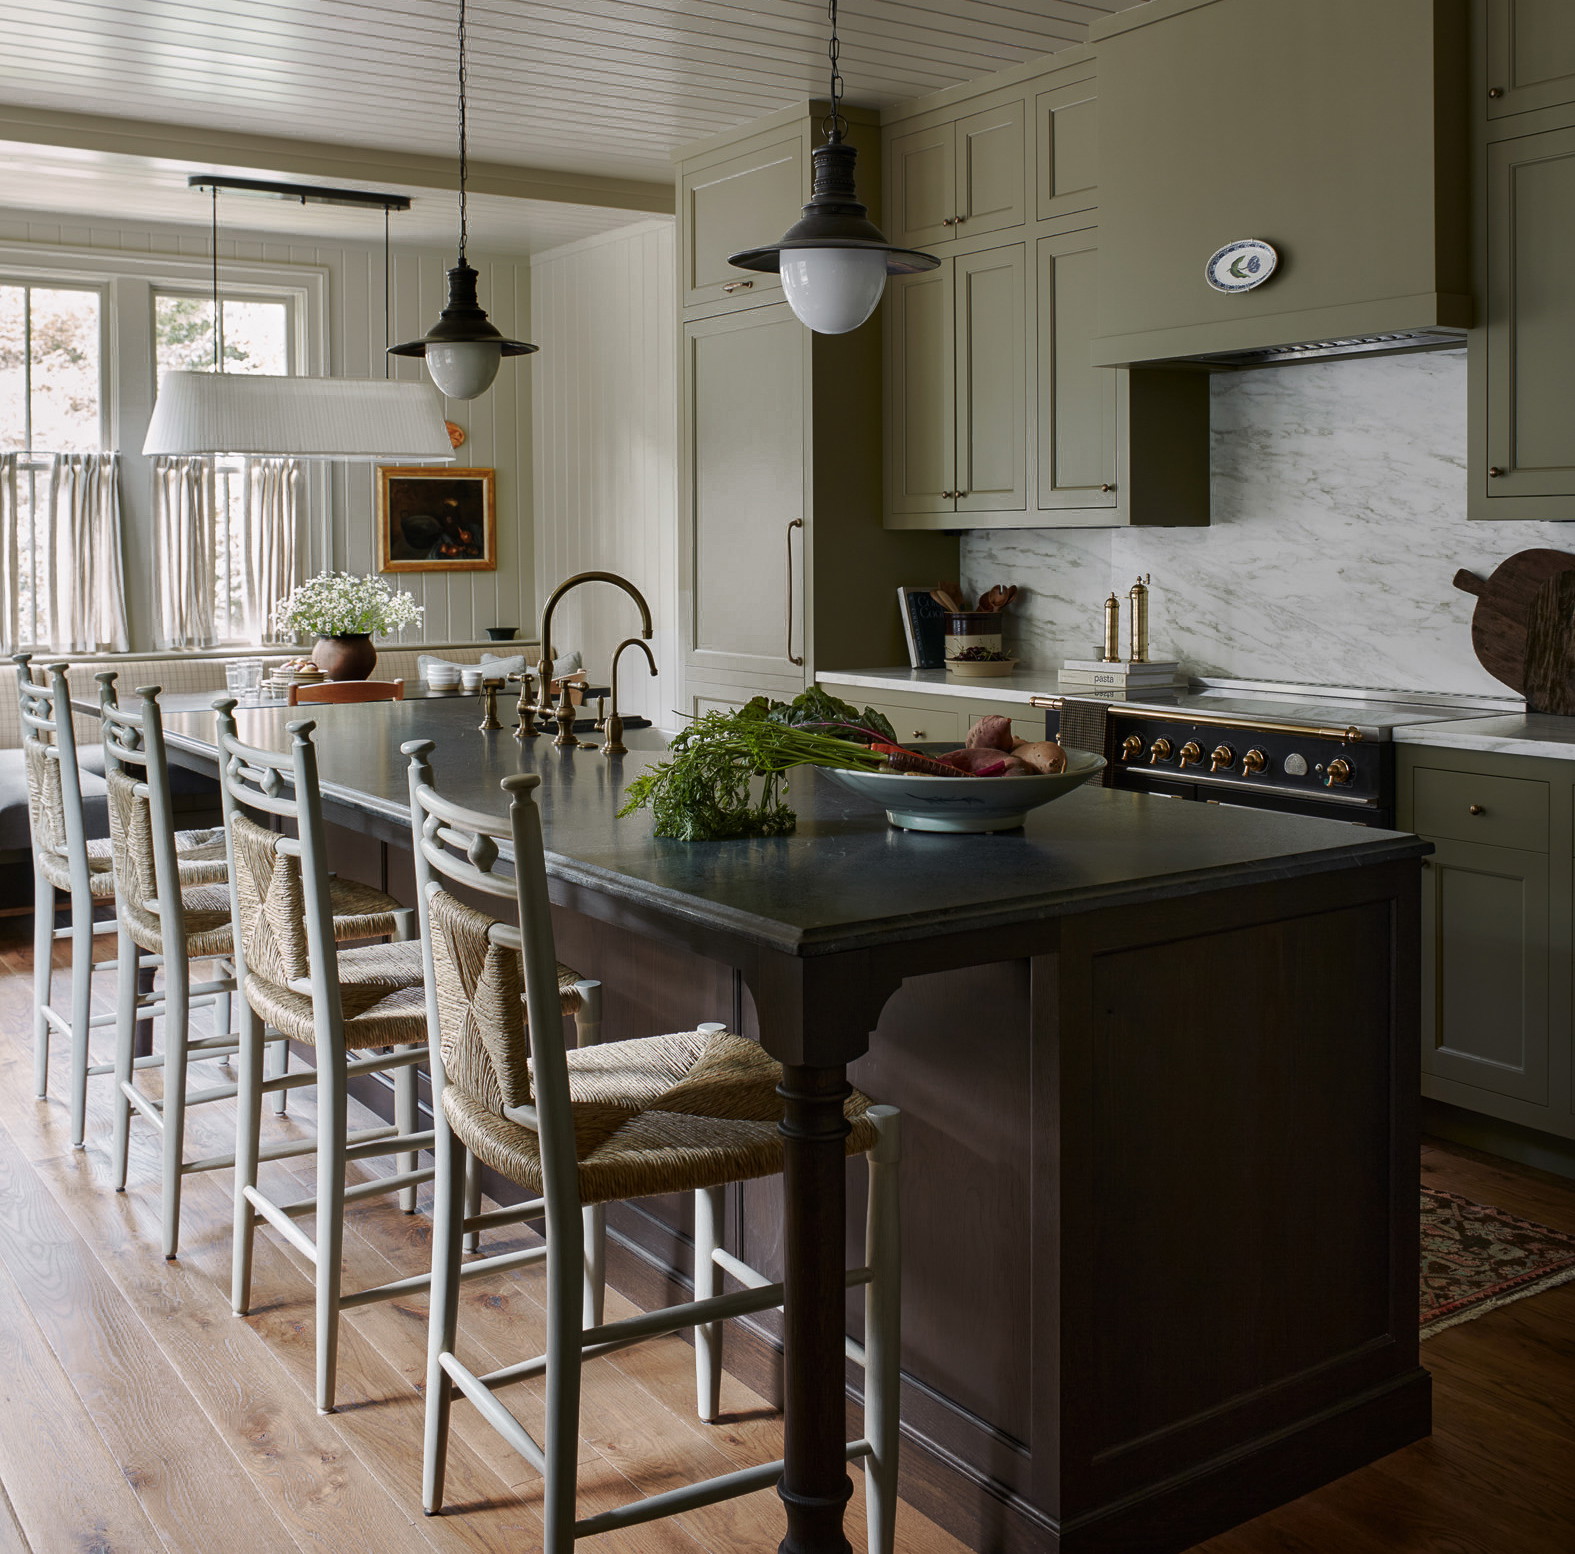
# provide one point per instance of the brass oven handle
(1347, 736)
(798, 662)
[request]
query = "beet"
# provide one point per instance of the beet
(991, 733)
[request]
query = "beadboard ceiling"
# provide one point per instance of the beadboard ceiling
(595, 92)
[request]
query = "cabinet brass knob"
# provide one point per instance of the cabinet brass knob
(1475, 809)
(1107, 487)
(733, 286)
(957, 221)
(1495, 91)
(1494, 472)
(948, 221)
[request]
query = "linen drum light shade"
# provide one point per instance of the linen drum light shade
(292, 417)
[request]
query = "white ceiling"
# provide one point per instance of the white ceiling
(591, 87)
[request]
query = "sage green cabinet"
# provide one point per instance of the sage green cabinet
(956, 422)
(1066, 143)
(1522, 367)
(1530, 56)
(736, 200)
(959, 177)
(1498, 918)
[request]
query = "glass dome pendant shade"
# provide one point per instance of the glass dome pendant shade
(463, 348)
(834, 260)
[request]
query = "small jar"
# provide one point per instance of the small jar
(973, 629)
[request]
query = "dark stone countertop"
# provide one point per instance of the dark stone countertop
(845, 878)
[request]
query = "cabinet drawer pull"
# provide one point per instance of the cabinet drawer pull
(795, 659)
(1107, 487)
(1494, 472)
(1495, 91)
(921, 733)
(733, 286)
(1475, 809)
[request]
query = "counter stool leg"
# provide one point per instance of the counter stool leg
(564, 1266)
(128, 962)
(472, 1200)
(248, 1133)
(43, 977)
(710, 1216)
(595, 1231)
(883, 1332)
(443, 1324)
(405, 1119)
(588, 1018)
(81, 1013)
(221, 1003)
(332, 1126)
(279, 1067)
(177, 1025)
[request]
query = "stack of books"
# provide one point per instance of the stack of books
(1094, 675)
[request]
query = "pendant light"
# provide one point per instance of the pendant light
(834, 260)
(463, 349)
(268, 415)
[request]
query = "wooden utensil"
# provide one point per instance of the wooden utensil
(997, 598)
(1550, 648)
(1503, 612)
(950, 597)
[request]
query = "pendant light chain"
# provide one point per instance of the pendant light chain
(464, 135)
(835, 125)
(218, 316)
(388, 302)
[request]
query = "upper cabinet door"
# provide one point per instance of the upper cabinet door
(991, 158)
(921, 406)
(1530, 56)
(742, 201)
(1066, 147)
(1077, 402)
(1526, 374)
(992, 381)
(922, 186)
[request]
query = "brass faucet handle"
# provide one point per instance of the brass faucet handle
(613, 744)
(564, 717)
(489, 721)
(1190, 754)
(525, 708)
(600, 724)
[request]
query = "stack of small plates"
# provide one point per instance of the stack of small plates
(442, 677)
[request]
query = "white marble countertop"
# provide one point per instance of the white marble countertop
(1526, 733)
(1019, 685)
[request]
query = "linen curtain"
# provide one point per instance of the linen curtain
(10, 556)
(271, 526)
(184, 544)
(85, 577)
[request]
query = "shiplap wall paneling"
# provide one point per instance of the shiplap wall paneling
(605, 448)
(341, 534)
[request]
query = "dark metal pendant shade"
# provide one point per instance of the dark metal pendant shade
(834, 219)
(462, 322)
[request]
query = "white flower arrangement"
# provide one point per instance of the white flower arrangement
(340, 604)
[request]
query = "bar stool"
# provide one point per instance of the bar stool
(296, 982)
(176, 908)
(692, 1111)
(66, 859)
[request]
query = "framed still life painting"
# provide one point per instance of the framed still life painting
(436, 519)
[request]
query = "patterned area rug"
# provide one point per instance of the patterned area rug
(1476, 1258)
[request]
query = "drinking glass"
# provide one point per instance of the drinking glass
(243, 679)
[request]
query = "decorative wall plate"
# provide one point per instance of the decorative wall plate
(1241, 265)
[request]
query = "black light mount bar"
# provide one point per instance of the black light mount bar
(305, 193)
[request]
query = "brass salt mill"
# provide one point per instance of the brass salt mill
(1137, 594)
(1112, 630)
(525, 708)
(613, 744)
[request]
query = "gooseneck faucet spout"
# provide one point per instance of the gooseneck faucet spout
(547, 655)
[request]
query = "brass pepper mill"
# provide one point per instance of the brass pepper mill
(489, 721)
(1112, 630)
(613, 744)
(1138, 595)
(526, 728)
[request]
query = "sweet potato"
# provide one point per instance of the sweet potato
(1044, 756)
(977, 761)
(991, 733)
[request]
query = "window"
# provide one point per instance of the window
(51, 401)
(255, 335)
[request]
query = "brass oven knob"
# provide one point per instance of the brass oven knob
(1253, 761)
(1131, 747)
(1191, 753)
(1337, 773)
(1159, 751)
(1221, 755)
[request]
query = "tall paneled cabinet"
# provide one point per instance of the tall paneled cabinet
(1522, 456)
(995, 417)
(785, 566)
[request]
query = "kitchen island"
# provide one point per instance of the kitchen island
(1159, 1068)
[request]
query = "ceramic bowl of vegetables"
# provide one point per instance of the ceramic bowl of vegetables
(990, 784)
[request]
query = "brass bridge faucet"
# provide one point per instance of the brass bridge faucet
(614, 744)
(564, 713)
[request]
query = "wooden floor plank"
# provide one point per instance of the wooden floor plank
(12, 1539)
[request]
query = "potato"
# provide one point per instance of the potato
(1045, 756)
(991, 733)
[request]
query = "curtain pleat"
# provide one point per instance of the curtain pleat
(86, 581)
(273, 526)
(184, 542)
(10, 556)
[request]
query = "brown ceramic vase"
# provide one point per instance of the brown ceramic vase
(345, 658)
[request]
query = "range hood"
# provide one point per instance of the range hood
(1334, 133)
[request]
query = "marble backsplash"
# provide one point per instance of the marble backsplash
(1339, 522)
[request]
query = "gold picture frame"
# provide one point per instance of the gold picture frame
(436, 519)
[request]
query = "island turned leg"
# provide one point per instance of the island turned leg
(815, 1486)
